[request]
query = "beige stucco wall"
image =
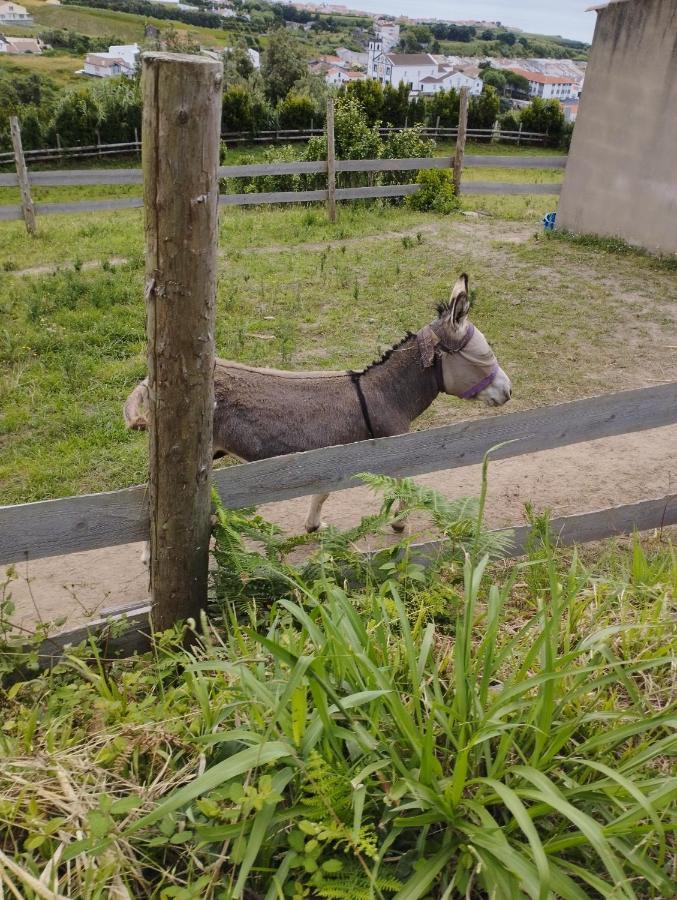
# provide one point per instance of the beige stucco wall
(621, 177)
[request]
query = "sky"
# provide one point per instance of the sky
(564, 17)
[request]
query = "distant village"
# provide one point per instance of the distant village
(423, 73)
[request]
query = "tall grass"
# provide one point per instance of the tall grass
(468, 730)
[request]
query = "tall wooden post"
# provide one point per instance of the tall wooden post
(460, 139)
(22, 175)
(180, 148)
(331, 163)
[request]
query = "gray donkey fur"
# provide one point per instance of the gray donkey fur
(259, 413)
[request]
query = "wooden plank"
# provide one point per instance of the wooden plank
(48, 209)
(331, 162)
(10, 213)
(272, 197)
(80, 176)
(393, 165)
(582, 528)
(291, 168)
(180, 138)
(382, 190)
(646, 515)
(135, 176)
(54, 527)
(87, 522)
(450, 447)
(27, 206)
(516, 162)
(512, 188)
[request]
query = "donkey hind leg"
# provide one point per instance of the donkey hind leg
(314, 519)
(399, 522)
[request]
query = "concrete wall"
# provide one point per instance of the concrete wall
(621, 177)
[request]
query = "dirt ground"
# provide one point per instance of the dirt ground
(568, 480)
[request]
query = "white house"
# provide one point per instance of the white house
(13, 14)
(119, 60)
(398, 68)
(550, 87)
(337, 76)
(449, 79)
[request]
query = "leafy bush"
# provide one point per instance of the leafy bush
(436, 194)
(439, 732)
(295, 111)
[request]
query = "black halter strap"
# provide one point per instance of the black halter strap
(442, 348)
(355, 378)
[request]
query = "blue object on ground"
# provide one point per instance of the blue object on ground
(549, 221)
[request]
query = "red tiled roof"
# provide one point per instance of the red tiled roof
(545, 79)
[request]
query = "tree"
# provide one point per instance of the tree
(544, 116)
(75, 118)
(283, 64)
(444, 104)
(237, 65)
(295, 111)
(517, 83)
(369, 93)
(495, 79)
(395, 104)
(483, 110)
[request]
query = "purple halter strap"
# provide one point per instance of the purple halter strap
(476, 388)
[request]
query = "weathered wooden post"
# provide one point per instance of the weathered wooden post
(180, 150)
(460, 139)
(331, 163)
(22, 174)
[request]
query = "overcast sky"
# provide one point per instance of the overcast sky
(564, 17)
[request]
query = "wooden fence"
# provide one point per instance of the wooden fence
(270, 136)
(47, 528)
(135, 176)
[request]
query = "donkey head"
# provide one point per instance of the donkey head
(465, 364)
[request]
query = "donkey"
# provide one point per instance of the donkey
(260, 413)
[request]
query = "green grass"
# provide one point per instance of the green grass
(125, 26)
(61, 69)
(465, 730)
(296, 292)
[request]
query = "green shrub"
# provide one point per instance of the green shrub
(436, 194)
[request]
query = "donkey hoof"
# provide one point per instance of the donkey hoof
(321, 526)
(398, 527)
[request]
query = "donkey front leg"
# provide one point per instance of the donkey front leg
(314, 519)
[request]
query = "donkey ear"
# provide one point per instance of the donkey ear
(460, 308)
(460, 287)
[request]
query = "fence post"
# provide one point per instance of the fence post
(22, 174)
(180, 140)
(331, 163)
(460, 139)
(98, 141)
(136, 141)
(58, 144)
(519, 134)
(437, 127)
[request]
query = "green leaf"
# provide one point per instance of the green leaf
(236, 765)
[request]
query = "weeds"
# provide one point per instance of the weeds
(333, 736)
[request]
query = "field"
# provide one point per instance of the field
(60, 68)
(126, 27)
(296, 292)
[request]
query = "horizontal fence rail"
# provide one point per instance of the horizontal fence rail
(58, 527)
(270, 136)
(135, 176)
(76, 177)
(567, 530)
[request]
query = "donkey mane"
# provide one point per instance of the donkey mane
(386, 356)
